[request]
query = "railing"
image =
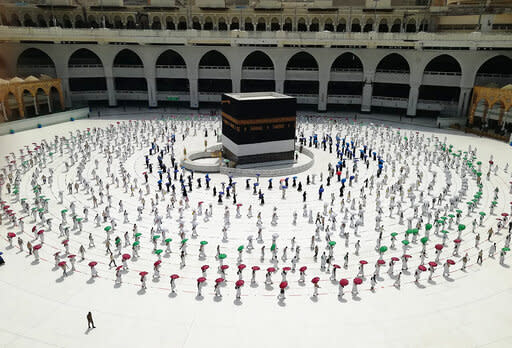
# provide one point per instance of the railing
(37, 66)
(435, 102)
(161, 66)
(493, 75)
(301, 69)
(128, 66)
(389, 98)
(448, 73)
(130, 91)
(392, 71)
(258, 68)
(85, 66)
(219, 67)
(302, 95)
(89, 92)
(347, 70)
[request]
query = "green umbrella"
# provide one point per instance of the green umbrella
(158, 251)
(168, 240)
(240, 248)
(203, 242)
(479, 173)
(428, 227)
(415, 231)
(23, 199)
(494, 203)
(479, 163)
(394, 234)
(156, 236)
(482, 213)
(383, 249)
(222, 256)
(424, 240)
(64, 211)
(405, 242)
(409, 231)
(506, 249)
(184, 241)
(136, 243)
(138, 234)
(462, 227)
(445, 231)
(108, 228)
(118, 241)
(458, 211)
(440, 221)
(451, 216)
(15, 191)
(273, 247)
(79, 219)
(332, 243)
(40, 210)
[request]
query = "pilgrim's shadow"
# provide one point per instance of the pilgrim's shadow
(419, 285)
(356, 298)
(254, 285)
(505, 265)
(237, 302)
(117, 285)
(172, 295)
(35, 262)
(199, 298)
(342, 300)
(281, 303)
(90, 281)
(313, 298)
(269, 287)
(141, 291)
(432, 282)
(87, 331)
(217, 298)
(59, 280)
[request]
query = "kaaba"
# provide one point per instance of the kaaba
(258, 127)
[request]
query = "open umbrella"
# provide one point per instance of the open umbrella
(92, 263)
(450, 262)
(184, 241)
(143, 273)
(11, 234)
(407, 256)
(462, 227)
(383, 249)
(381, 262)
(405, 242)
(505, 249)
(203, 242)
(108, 228)
(174, 276)
(37, 247)
(204, 267)
(303, 268)
(240, 248)
(332, 243)
(457, 241)
(424, 240)
(315, 280)
(224, 267)
(157, 263)
(358, 281)
(428, 227)
(504, 214)
(239, 282)
(201, 279)
(271, 269)
(363, 262)
(62, 263)
(156, 236)
(158, 251)
(219, 280)
(255, 268)
(343, 282)
(119, 268)
(422, 268)
(394, 234)
(241, 266)
(137, 243)
(336, 266)
(439, 247)
(395, 259)
(138, 234)
(168, 240)
(283, 285)
(126, 256)
(222, 256)
(432, 264)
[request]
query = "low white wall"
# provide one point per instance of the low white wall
(47, 120)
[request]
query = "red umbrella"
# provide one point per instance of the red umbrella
(394, 258)
(126, 256)
(71, 256)
(422, 268)
(315, 280)
(343, 282)
(11, 235)
(204, 267)
(457, 241)
(157, 263)
(62, 264)
(40, 232)
(224, 267)
(174, 276)
(407, 256)
(143, 273)
(439, 247)
(57, 253)
(381, 262)
(363, 262)
(287, 269)
(450, 262)
(119, 268)
(219, 280)
(271, 269)
(432, 264)
(283, 285)
(201, 279)
(255, 268)
(303, 268)
(336, 266)
(65, 241)
(37, 247)
(92, 263)
(504, 214)
(239, 283)
(358, 281)
(241, 266)
(239, 205)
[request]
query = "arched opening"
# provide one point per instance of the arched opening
(423, 25)
(248, 24)
(494, 115)
(439, 93)
(411, 26)
(394, 63)
(368, 26)
(108, 22)
(445, 64)
(171, 60)
(301, 25)
(262, 25)
(80, 23)
(12, 107)
(130, 23)
(66, 22)
(93, 23)
(235, 25)
(41, 22)
(315, 25)
(288, 26)
(356, 26)
(27, 21)
(328, 25)
(274, 24)
(347, 63)
(86, 59)
(42, 102)
(507, 120)
(196, 24)
(182, 23)
(222, 24)
(169, 24)
(118, 22)
(143, 21)
(128, 59)
(342, 26)
(496, 70)
(29, 104)
(441, 65)
(397, 26)
(480, 115)
(293, 84)
(252, 73)
(4, 72)
(15, 21)
(383, 26)
(214, 60)
(208, 24)
(156, 25)
(33, 61)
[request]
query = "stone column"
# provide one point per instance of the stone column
(322, 93)
(36, 108)
(280, 86)
(366, 99)
(111, 91)
(462, 106)
(49, 104)
(194, 95)
(412, 103)
(152, 99)
(67, 92)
